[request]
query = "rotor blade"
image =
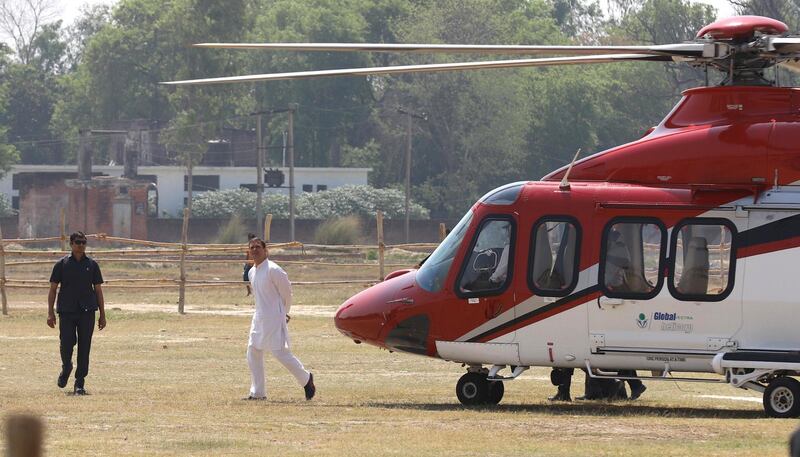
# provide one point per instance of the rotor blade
(787, 45)
(683, 49)
(426, 68)
(792, 65)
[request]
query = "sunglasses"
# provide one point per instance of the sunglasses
(79, 241)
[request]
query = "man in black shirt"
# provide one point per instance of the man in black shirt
(79, 297)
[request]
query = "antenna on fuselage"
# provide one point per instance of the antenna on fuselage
(564, 181)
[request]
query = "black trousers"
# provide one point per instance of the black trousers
(76, 328)
(634, 383)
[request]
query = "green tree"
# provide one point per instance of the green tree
(187, 138)
(331, 108)
(144, 43)
(8, 153)
(31, 89)
(474, 138)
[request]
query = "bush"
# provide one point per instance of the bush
(345, 230)
(343, 201)
(233, 232)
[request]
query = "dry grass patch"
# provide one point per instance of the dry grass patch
(164, 384)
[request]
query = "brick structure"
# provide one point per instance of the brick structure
(111, 205)
(116, 206)
(41, 197)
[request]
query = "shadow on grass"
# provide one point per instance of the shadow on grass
(586, 409)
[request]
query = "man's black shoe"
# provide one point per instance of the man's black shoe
(63, 377)
(309, 387)
(253, 398)
(637, 392)
(79, 391)
(560, 397)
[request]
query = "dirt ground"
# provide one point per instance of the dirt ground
(165, 384)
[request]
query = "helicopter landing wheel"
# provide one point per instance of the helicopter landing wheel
(496, 391)
(782, 398)
(472, 389)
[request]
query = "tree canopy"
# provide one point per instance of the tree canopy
(480, 129)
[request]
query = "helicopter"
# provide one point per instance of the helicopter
(671, 254)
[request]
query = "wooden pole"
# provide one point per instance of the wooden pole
(259, 172)
(3, 274)
(267, 227)
(381, 246)
(24, 435)
(442, 231)
(408, 174)
(63, 230)
(184, 232)
(290, 147)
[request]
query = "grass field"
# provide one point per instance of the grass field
(165, 384)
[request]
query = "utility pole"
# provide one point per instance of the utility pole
(259, 173)
(189, 182)
(260, 159)
(292, 109)
(85, 172)
(409, 119)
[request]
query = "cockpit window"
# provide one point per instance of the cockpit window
(504, 195)
(433, 272)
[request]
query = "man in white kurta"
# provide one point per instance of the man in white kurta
(268, 331)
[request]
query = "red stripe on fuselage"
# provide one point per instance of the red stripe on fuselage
(538, 317)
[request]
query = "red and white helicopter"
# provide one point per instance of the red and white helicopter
(670, 254)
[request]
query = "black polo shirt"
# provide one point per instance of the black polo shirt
(77, 279)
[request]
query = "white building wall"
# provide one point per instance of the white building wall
(170, 180)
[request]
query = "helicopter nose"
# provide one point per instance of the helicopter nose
(364, 316)
(358, 320)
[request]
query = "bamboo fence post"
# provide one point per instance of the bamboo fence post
(3, 274)
(63, 230)
(381, 246)
(24, 435)
(184, 232)
(267, 227)
(442, 231)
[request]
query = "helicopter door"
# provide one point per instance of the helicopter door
(632, 254)
(699, 310)
(485, 281)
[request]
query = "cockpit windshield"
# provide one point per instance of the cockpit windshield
(504, 195)
(433, 272)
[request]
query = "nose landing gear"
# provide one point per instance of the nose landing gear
(474, 389)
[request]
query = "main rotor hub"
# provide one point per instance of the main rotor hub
(742, 28)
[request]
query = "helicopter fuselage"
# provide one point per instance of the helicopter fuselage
(667, 254)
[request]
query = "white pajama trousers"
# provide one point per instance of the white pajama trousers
(255, 360)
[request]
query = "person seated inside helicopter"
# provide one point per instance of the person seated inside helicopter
(694, 278)
(487, 267)
(618, 263)
(552, 260)
(624, 263)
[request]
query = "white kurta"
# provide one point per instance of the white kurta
(273, 293)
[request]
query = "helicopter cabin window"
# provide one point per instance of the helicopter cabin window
(702, 260)
(633, 252)
(487, 266)
(555, 247)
